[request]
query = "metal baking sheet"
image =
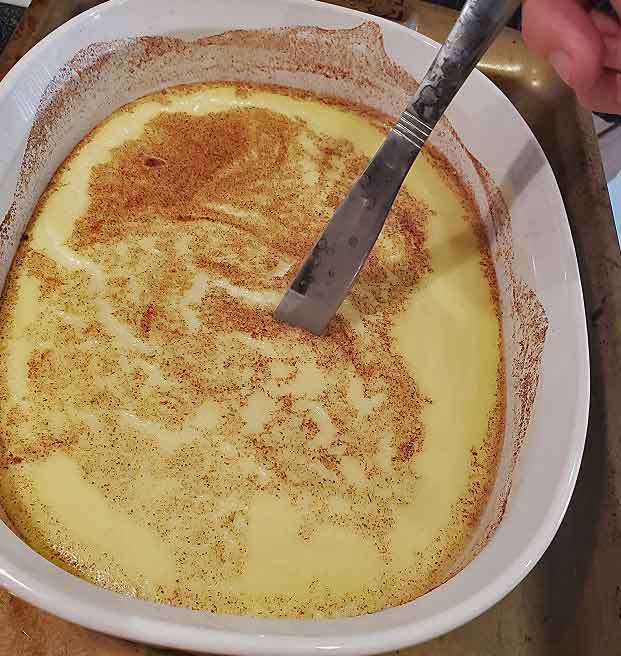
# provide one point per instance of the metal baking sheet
(570, 604)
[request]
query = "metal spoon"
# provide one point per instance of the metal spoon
(330, 269)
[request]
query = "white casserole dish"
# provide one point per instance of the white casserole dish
(535, 262)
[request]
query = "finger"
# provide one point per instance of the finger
(605, 95)
(607, 25)
(562, 31)
(610, 28)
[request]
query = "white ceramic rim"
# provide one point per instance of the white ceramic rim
(77, 601)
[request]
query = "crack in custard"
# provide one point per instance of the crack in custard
(155, 371)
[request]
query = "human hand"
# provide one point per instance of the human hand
(583, 45)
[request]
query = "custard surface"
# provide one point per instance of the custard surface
(163, 436)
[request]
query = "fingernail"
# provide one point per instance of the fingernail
(562, 64)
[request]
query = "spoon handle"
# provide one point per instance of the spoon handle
(477, 26)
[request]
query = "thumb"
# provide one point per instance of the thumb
(562, 31)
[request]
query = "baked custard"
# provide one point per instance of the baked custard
(163, 436)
